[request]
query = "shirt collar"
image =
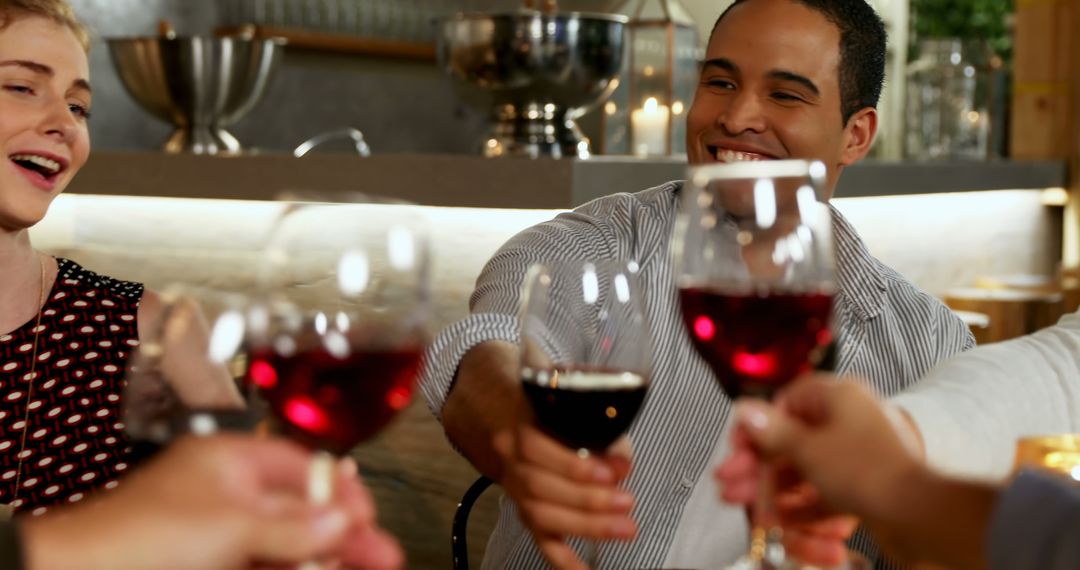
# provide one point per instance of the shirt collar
(859, 276)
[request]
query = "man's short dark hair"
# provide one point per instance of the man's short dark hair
(862, 50)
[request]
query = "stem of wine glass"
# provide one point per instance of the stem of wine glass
(766, 538)
(320, 490)
(321, 478)
(591, 552)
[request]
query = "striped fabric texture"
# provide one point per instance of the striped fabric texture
(889, 332)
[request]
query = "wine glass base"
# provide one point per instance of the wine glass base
(855, 561)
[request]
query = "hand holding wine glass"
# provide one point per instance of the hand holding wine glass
(337, 341)
(187, 374)
(755, 270)
(585, 357)
(223, 501)
(839, 440)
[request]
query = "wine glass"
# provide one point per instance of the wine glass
(585, 354)
(755, 272)
(336, 341)
(187, 374)
(1058, 454)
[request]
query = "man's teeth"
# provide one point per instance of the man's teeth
(49, 165)
(725, 155)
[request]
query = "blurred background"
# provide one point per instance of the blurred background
(970, 191)
(402, 106)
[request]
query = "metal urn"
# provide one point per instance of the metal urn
(199, 84)
(534, 72)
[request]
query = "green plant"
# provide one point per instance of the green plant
(986, 20)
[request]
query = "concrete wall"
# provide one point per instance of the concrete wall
(401, 107)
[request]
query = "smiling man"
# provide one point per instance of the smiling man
(782, 79)
(791, 95)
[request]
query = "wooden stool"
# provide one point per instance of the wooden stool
(1011, 313)
(977, 323)
(1019, 282)
(1070, 288)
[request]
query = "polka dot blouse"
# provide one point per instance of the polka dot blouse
(75, 437)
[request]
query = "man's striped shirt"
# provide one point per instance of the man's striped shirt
(889, 332)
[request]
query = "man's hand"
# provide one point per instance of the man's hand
(223, 502)
(837, 446)
(862, 456)
(559, 494)
(813, 532)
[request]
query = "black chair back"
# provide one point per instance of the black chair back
(459, 532)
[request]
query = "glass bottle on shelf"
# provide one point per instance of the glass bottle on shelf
(948, 103)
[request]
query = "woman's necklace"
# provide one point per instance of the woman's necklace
(8, 510)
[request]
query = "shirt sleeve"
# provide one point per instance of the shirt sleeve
(972, 409)
(1035, 524)
(953, 334)
(494, 303)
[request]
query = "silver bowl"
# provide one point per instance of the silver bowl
(535, 72)
(199, 84)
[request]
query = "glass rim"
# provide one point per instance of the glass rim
(823, 286)
(1055, 440)
(815, 170)
(555, 264)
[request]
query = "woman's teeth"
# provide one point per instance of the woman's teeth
(44, 165)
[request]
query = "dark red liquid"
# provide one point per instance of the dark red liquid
(757, 343)
(335, 403)
(584, 416)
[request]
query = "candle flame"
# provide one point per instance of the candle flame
(651, 105)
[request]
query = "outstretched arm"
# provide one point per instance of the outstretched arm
(847, 445)
(220, 502)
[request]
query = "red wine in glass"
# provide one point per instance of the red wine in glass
(332, 403)
(585, 408)
(757, 343)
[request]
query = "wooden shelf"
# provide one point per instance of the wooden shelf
(473, 181)
(340, 43)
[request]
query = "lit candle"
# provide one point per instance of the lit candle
(650, 128)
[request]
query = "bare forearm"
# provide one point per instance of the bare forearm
(484, 403)
(51, 542)
(945, 520)
(938, 520)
